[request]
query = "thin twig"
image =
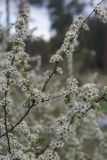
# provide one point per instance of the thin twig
(51, 75)
(5, 123)
(42, 151)
(22, 118)
(98, 100)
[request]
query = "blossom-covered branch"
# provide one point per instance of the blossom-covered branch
(67, 123)
(69, 42)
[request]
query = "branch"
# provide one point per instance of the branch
(51, 75)
(22, 118)
(42, 151)
(71, 122)
(5, 123)
(56, 64)
(54, 70)
(27, 112)
(99, 99)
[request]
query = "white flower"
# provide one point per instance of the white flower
(88, 92)
(56, 58)
(101, 13)
(72, 86)
(59, 70)
(104, 90)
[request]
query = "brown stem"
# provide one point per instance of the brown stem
(5, 123)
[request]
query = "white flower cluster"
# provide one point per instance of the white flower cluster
(56, 58)
(89, 92)
(49, 155)
(70, 40)
(101, 13)
(22, 59)
(71, 36)
(72, 86)
(62, 128)
(3, 89)
(18, 42)
(22, 156)
(104, 91)
(56, 143)
(9, 71)
(6, 102)
(2, 127)
(78, 110)
(52, 131)
(24, 84)
(23, 129)
(21, 24)
(59, 70)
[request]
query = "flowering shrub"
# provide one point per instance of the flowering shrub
(55, 122)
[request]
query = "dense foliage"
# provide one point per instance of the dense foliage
(43, 121)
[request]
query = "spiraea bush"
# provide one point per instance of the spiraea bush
(49, 121)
